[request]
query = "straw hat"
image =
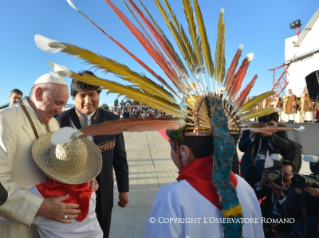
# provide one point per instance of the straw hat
(74, 162)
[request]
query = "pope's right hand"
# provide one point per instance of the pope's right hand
(55, 209)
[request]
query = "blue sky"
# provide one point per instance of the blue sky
(261, 26)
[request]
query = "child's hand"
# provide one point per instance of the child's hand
(94, 185)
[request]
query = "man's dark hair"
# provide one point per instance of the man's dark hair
(263, 119)
(201, 146)
(17, 91)
(287, 162)
(77, 86)
(273, 116)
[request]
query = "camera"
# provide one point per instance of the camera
(275, 174)
(304, 181)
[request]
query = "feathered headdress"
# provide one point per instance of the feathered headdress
(203, 108)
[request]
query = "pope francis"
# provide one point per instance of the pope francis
(20, 125)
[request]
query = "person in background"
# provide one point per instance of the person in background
(258, 147)
(15, 96)
(292, 103)
(273, 196)
(302, 204)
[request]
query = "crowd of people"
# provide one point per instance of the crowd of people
(271, 179)
(139, 112)
(297, 109)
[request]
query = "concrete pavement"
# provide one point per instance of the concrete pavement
(150, 168)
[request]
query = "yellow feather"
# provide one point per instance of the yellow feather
(185, 39)
(176, 23)
(109, 65)
(194, 68)
(258, 113)
(113, 87)
(178, 39)
(175, 34)
(159, 29)
(188, 10)
(234, 211)
(220, 51)
(204, 42)
(251, 103)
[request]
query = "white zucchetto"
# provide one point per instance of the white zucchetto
(50, 78)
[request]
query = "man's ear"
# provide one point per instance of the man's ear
(185, 153)
(38, 94)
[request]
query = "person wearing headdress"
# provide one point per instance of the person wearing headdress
(206, 191)
(112, 147)
(20, 126)
(70, 168)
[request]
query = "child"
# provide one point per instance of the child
(70, 167)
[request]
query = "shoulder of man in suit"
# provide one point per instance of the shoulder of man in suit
(65, 113)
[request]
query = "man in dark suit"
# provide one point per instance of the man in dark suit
(258, 147)
(85, 113)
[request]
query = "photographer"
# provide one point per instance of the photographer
(302, 202)
(293, 154)
(258, 147)
(275, 193)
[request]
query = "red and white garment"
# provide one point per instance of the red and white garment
(186, 208)
(87, 226)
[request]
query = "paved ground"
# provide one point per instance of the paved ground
(150, 168)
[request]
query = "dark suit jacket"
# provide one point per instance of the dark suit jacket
(114, 156)
(279, 140)
(267, 204)
(293, 154)
(4, 106)
(3, 195)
